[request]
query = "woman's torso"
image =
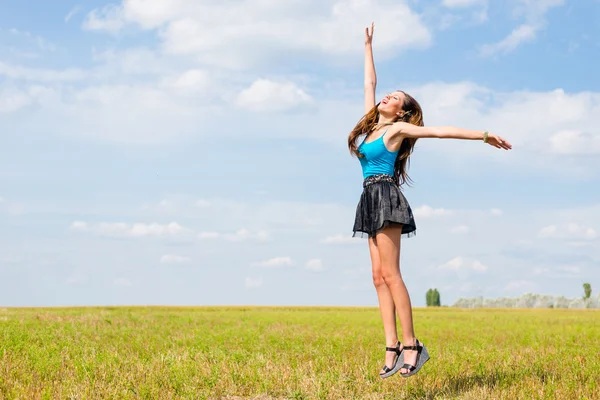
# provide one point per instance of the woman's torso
(377, 158)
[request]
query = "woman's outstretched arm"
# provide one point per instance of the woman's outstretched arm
(403, 129)
(370, 76)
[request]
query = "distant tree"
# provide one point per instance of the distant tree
(436, 298)
(429, 298)
(587, 289)
(432, 298)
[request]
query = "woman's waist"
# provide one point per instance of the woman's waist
(378, 178)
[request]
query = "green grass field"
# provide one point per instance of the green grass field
(293, 353)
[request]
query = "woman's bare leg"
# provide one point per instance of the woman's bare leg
(388, 244)
(386, 303)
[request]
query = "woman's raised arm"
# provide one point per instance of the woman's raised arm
(370, 76)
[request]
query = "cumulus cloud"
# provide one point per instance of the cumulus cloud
(534, 13)
(426, 211)
(463, 3)
(575, 142)
(189, 82)
(12, 100)
(570, 231)
(18, 72)
(519, 35)
(134, 230)
(266, 95)
(462, 263)
(238, 236)
(254, 30)
(275, 262)
(109, 18)
(340, 239)
(314, 264)
(72, 13)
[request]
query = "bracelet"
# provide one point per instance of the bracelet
(485, 136)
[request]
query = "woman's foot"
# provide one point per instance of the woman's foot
(392, 358)
(410, 358)
(414, 357)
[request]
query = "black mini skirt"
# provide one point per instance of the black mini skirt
(382, 204)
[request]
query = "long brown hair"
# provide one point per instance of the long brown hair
(413, 114)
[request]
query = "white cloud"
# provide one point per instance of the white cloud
(496, 211)
(275, 262)
(36, 40)
(315, 264)
(12, 100)
(238, 236)
(426, 211)
(571, 231)
(575, 142)
(17, 72)
(526, 119)
(253, 283)
(79, 225)
(174, 259)
(254, 31)
(533, 11)
(461, 263)
(148, 114)
(519, 35)
(460, 229)
(72, 13)
(266, 95)
(122, 229)
(122, 282)
(341, 239)
(110, 19)
(190, 81)
(463, 3)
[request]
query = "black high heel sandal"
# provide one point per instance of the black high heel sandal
(387, 371)
(422, 358)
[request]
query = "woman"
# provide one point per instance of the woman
(390, 129)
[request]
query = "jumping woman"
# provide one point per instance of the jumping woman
(389, 130)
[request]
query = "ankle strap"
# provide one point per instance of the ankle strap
(415, 347)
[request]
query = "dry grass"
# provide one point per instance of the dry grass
(293, 353)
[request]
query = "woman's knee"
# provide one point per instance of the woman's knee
(390, 274)
(378, 277)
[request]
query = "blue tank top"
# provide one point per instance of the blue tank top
(377, 159)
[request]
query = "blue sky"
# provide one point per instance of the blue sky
(185, 152)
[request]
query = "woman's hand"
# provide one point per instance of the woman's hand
(498, 142)
(369, 35)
